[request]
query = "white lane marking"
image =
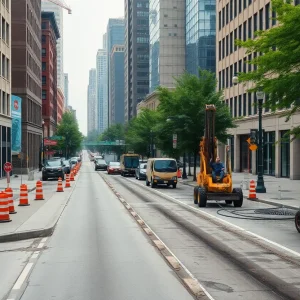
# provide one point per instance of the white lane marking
(225, 222)
(41, 245)
(23, 276)
(44, 240)
(35, 254)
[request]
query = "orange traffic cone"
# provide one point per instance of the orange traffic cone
(23, 195)
(10, 196)
(59, 185)
(39, 191)
(68, 184)
(179, 175)
(4, 208)
(252, 191)
(72, 176)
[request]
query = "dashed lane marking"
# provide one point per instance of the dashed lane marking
(23, 276)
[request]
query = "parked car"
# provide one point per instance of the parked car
(100, 164)
(53, 169)
(67, 166)
(73, 162)
(140, 172)
(114, 168)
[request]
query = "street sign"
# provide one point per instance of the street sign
(7, 167)
(56, 138)
(253, 147)
(48, 142)
(174, 141)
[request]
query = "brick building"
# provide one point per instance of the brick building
(26, 77)
(60, 105)
(50, 34)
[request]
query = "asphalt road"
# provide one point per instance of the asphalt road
(99, 252)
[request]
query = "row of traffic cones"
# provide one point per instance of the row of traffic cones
(6, 197)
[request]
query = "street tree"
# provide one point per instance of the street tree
(277, 72)
(184, 108)
(141, 132)
(68, 129)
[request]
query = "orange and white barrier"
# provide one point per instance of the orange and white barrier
(68, 184)
(23, 195)
(39, 191)
(59, 185)
(10, 197)
(4, 208)
(252, 191)
(72, 176)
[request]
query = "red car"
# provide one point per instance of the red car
(114, 168)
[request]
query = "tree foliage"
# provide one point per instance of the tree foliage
(68, 128)
(113, 133)
(277, 72)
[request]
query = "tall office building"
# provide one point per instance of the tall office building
(26, 77)
(92, 103)
(66, 89)
(239, 20)
(5, 89)
(116, 86)
(58, 12)
(167, 42)
(115, 36)
(200, 35)
(102, 89)
(136, 54)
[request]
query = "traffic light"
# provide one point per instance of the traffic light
(253, 136)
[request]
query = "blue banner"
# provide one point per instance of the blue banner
(16, 130)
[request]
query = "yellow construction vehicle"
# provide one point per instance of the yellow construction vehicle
(206, 189)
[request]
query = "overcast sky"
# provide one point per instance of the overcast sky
(83, 31)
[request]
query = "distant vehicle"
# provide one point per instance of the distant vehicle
(73, 162)
(129, 163)
(113, 168)
(97, 157)
(53, 168)
(56, 157)
(100, 164)
(140, 172)
(161, 171)
(67, 166)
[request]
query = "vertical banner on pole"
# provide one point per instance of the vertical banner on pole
(16, 131)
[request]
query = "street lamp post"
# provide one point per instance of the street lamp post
(184, 175)
(260, 188)
(43, 146)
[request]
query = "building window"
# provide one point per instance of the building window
(220, 82)
(297, 2)
(230, 106)
(274, 16)
(223, 79)
(249, 104)
(245, 105)
(255, 105)
(240, 6)
(44, 25)
(220, 20)
(223, 48)
(44, 93)
(249, 64)
(254, 57)
(245, 4)
(220, 50)
(245, 65)
(223, 17)
(231, 74)
(261, 19)
(255, 22)
(240, 66)
(227, 13)
(235, 68)
(43, 66)
(285, 154)
(43, 38)
(227, 45)
(3, 65)
(235, 38)
(7, 69)
(235, 107)
(250, 28)
(231, 42)
(142, 40)
(44, 80)
(240, 106)
(267, 16)
(227, 78)
(235, 8)
(240, 32)
(245, 31)
(43, 52)
(249, 2)
(3, 30)
(7, 33)
(231, 10)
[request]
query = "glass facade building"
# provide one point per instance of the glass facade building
(200, 35)
(154, 30)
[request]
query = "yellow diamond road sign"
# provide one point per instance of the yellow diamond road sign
(253, 147)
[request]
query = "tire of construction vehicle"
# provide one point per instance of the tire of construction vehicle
(195, 195)
(153, 185)
(239, 202)
(228, 201)
(297, 221)
(202, 197)
(147, 182)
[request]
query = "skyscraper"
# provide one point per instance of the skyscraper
(200, 35)
(92, 103)
(115, 36)
(136, 54)
(167, 42)
(66, 89)
(58, 12)
(116, 72)
(102, 89)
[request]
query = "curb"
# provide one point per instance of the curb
(259, 200)
(37, 233)
(187, 279)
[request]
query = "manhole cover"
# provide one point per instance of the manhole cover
(285, 191)
(283, 198)
(275, 211)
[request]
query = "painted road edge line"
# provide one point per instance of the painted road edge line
(216, 219)
(187, 278)
(22, 276)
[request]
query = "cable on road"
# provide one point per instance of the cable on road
(269, 214)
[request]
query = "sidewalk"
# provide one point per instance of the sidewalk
(38, 219)
(280, 191)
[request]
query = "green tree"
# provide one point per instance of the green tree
(72, 137)
(184, 107)
(141, 132)
(277, 72)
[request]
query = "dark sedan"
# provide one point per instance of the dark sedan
(100, 164)
(53, 169)
(140, 172)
